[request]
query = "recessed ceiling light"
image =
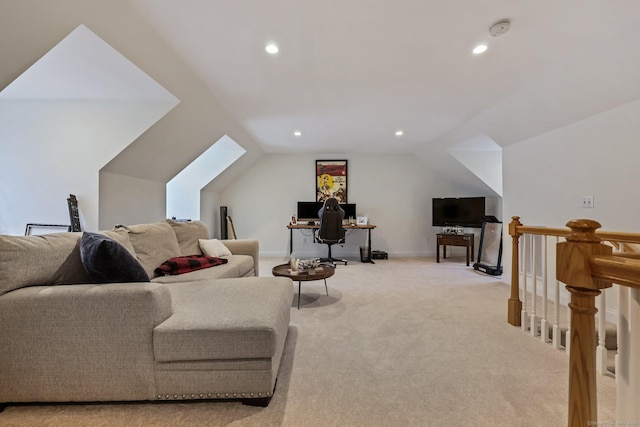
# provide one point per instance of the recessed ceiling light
(297, 133)
(271, 48)
(399, 133)
(481, 48)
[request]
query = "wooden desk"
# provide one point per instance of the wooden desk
(367, 227)
(446, 239)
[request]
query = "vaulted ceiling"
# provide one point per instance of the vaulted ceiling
(350, 73)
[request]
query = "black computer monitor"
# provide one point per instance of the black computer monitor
(308, 211)
(349, 210)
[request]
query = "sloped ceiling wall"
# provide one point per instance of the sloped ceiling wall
(590, 80)
(34, 27)
(483, 157)
(62, 120)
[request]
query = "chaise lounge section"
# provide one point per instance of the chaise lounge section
(213, 333)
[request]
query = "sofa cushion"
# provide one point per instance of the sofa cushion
(214, 247)
(107, 261)
(225, 319)
(244, 263)
(50, 259)
(154, 244)
(121, 235)
(188, 233)
(186, 264)
(249, 247)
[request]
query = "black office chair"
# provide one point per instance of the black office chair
(331, 231)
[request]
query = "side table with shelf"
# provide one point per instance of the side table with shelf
(450, 239)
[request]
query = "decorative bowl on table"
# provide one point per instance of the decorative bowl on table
(309, 265)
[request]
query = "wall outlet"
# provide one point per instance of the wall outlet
(304, 240)
(587, 201)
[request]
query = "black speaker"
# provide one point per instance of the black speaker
(224, 233)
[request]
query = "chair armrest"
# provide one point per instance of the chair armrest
(245, 247)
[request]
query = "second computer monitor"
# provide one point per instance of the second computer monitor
(308, 211)
(349, 210)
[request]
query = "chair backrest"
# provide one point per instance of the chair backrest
(331, 216)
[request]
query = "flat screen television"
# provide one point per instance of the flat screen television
(462, 211)
(308, 211)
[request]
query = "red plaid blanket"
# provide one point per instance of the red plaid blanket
(185, 264)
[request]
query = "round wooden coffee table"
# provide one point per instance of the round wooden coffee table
(322, 273)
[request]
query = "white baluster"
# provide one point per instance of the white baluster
(633, 396)
(622, 355)
(557, 332)
(525, 258)
(534, 286)
(567, 335)
(601, 349)
(544, 324)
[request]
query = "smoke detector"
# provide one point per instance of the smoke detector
(499, 28)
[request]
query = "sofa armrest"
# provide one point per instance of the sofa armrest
(80, 342)
(245, 247)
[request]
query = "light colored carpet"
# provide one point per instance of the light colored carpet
(404, 342)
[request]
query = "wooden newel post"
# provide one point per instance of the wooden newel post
(515, 305)
(573, 269)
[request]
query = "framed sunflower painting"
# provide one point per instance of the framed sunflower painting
(331, 180)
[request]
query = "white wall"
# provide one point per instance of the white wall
(34, 185)
(128, 200)
(395, 191)
(52, 149)
(485, 164)
(183, 190)
(546, 177)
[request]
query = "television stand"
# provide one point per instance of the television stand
(448, 239)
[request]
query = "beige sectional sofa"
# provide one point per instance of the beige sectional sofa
(214, 333)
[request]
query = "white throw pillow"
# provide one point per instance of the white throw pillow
(213, 247)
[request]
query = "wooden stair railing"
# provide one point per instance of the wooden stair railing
(573, 269)
(585, 265)
(516, 229)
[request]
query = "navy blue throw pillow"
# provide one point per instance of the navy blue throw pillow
(107, 261)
